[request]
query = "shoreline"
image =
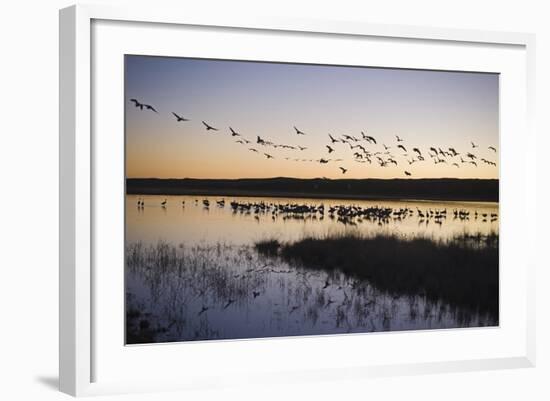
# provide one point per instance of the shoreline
(302, 195)
(434, 189)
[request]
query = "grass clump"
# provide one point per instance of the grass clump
(462, 270)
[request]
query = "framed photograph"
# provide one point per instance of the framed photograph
(294, 200)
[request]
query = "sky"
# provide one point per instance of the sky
(424, 108)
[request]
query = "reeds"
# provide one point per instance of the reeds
(462, 270)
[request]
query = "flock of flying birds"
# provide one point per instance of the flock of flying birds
(357, 145)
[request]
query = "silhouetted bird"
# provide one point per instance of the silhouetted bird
(163, 203)
(149, 107)
(332, 139)
(407, 174)
(298, 132)
(402, 147)
(473, 145)
(209, 127)
(137, 104)
(399, 139)
(492, 148)
(268, 156)
(330, 150)
(233, 133)
(344, 170)
(179, 118)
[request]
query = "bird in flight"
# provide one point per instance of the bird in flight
(233, 132)
(323, 161)
(268, 156)
(492, 148)
(253, 150)
(399, 139)
(209, 127)
(407, 174)
(179, 118)
(137, 104)
(302, 147)
(332, 139)
(344, 170)
(298, 132)
(474, 145)
(330, 150)
(402, 147)
(149, 107)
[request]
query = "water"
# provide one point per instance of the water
(192, 272)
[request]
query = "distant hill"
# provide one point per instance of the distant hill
(426, 189)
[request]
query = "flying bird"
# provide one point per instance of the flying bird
(298, 132)
(137, 104)
(330, 150)
(332, 139)
(399, 139)
(407, 174)
(492, 148)
(149, 107)
(302, 147)
(233, 132)
(268, 156)
(344, 170)
(402, 147)
(474, 145)
(209, 127)
(179, 118)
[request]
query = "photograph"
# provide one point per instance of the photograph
(278, 199)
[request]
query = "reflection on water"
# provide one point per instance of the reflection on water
(194, 222)
(192, 272)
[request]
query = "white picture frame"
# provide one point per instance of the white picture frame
(79, 347)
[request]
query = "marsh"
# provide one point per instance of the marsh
(204, 268)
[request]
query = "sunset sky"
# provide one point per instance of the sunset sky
(425, 108)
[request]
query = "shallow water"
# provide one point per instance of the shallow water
(194, 223)
(192, 272)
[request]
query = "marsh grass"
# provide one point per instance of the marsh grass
(462, 270)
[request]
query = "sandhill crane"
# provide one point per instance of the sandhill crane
(398, 139)
(407, 174)
(474, 145)
(402, 147)
(209, 127)
(344, 170)
(267, 155)
(323, 161)
(233, 133)
(298, 132)
(332, 139)
(417, 151)
(149, 107)
(179, 118)
(137, 104)
(330, 150)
